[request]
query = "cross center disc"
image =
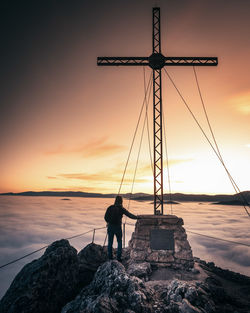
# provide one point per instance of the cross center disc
(156, 61)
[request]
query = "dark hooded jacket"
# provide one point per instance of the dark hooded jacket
(114, 214)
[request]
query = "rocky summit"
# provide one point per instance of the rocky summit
(63, 281)
(46, 284)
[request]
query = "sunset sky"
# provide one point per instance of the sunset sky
(67, 124)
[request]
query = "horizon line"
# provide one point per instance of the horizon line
(113, 193)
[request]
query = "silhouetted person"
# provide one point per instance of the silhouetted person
(113, 217)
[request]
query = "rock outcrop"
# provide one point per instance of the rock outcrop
(46, 284)
(140, 270)
(188, 297)
(112, 290)
(90, 258)
(62, 281)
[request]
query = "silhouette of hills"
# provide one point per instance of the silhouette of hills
(59, 194)
(235, 199)
(220, 198)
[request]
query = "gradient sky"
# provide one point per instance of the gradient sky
(67, 124)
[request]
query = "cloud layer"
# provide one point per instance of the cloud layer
(98, 147)
(29, 223)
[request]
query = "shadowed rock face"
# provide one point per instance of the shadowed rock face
(112, 290)
(46, 284)
(53, 284)
(140, 270)
(90, 258)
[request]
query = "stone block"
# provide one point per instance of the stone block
(144, 231)
(177, 266)
(149, 250)
(184, 255)
(152, 257)
(147, 222)
(185, 245)
(138, 255)
(177, 246)
(165, 256)
(162, 265)
(146, 238)
(170, 227)
(180, 236)
(140, 244)
(172, 221)
(182, 245)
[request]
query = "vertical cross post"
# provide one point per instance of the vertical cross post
(157, 117)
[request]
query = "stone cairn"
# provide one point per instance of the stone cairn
(169, 248)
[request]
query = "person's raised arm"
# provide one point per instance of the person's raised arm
(126, 212)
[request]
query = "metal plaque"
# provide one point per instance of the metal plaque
(162, 239)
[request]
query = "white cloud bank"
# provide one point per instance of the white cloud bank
(29, 223)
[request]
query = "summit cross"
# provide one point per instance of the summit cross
(157, 61)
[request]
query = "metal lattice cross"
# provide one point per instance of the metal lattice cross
(157, 61)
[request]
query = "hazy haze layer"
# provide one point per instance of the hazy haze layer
(28, 223)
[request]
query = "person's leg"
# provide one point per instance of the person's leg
(110, 242)
(119, 242)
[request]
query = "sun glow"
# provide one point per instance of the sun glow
(67, 124)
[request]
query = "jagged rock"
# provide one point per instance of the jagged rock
(187, 307)
(90, 258)
(52, 281)
(112, 290)
(195, 271)
(46, 284)
(189, 297)
(141, 270)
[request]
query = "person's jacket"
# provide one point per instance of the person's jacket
(114, 214)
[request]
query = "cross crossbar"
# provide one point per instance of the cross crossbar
(168, 61)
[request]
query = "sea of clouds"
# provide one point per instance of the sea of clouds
(29, 223)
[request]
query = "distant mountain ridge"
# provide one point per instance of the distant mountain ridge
(59, 194)
(221, 198)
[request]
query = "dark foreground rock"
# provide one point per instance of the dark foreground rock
(62, 281)
(140, 270)
(46, 284)
(90, 258)
(112, 290)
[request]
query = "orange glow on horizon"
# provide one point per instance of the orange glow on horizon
(69, 124)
